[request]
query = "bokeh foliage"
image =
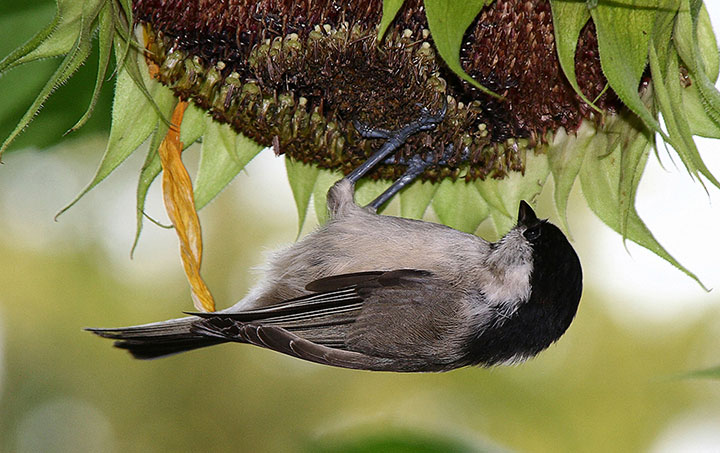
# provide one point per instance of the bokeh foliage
(601, 388)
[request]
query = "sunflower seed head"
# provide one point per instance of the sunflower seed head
(304, 71)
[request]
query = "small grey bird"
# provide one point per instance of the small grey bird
(377, 292)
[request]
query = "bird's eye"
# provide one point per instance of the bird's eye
(532, 232)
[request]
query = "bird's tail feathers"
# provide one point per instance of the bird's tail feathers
(158, 339)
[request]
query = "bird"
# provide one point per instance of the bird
(376, 292)
(382, 293)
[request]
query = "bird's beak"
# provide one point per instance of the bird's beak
(526, 215)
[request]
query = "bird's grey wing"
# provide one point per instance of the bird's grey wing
(420, 318)
(281, 340)
(313, 327)
(324, 317)
(402, 320)
(335, 282)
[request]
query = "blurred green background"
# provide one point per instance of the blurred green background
(610, 384)
(607, 385)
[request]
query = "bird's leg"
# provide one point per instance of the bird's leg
(394, 139)
(415, 167)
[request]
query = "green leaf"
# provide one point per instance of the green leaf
(16, 55)
(150, 170)
(686, 43)
(707, 45)
(390, 9)
(302, 179)
(635, 146)
(106, 34)
(224, 153)
(325, 180)
(129, 57)
(515, 187)
(501, 223)
(448, 21)
(565, 156)
(415, 199)
(125, 40)
(367, 190)
(624, 50)
(193, 125)
(668, 93)
(20, 86)
(72, 61)
(126, 6)
(701, 123)
(69, 65)
(661, 38)
(133, 120)
(600, 179)
(57, 38)
(490, 191)
(75, 18)
(569, 18)
(458, 204)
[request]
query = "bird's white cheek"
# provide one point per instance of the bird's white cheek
(512, 286)
(502, 295)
